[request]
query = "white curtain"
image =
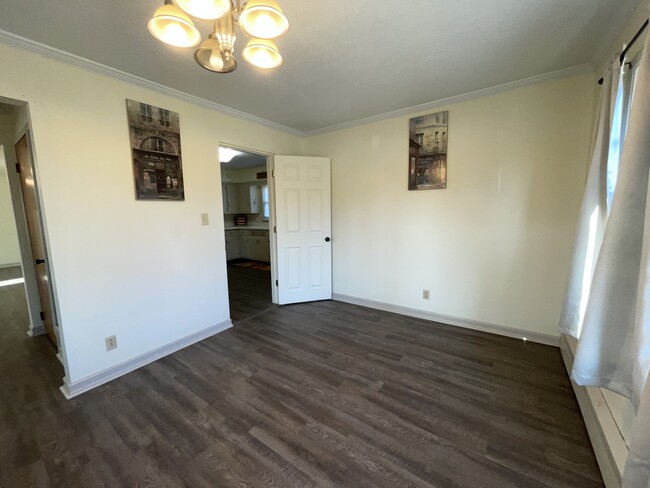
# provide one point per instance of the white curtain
(614, 341)
(593, 212)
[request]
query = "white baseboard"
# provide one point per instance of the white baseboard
(36, 331)
(606, 439)
(447, 319)
(10, 265)
(72, 389)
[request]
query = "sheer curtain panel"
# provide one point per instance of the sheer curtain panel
(613, 333)
(593, 212)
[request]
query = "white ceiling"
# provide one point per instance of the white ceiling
(344, 59)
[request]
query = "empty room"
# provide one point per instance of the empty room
(278, 243)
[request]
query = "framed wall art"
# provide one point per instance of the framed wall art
(428, 135)
(155, 151)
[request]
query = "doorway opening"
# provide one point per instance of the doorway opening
(247, 209)
(27, 315)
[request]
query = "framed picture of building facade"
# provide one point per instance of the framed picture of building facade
(428, 135)
(156, 152)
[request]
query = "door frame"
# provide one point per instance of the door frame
(36, 327)
(272, 221)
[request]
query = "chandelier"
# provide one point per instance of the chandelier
(261, 20)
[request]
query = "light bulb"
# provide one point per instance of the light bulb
(262, 59)
(264, 26)
(216, 60)
(263, 54)
(204, 9)
(174, 34)
(172, 26)
(263, 19)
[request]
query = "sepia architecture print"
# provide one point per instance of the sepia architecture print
(428, 136)
(156, 152)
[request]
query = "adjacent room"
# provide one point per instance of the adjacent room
(277, 243)
(246, 216)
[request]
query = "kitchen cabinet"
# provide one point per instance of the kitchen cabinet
(248, 244)
(230, 194)
(233, 244)
(249, 198)
(242, 198)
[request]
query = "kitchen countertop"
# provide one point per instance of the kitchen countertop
(247, 227)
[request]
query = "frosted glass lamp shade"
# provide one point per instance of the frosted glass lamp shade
(263, 19)
(204, 9)
(172, 26)
(263, 53)
(210, 57)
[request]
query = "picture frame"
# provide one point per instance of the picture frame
(428, 142)
(156, 152)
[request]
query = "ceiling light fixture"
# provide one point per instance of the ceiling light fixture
(204, 9)
(171, 25)
(226, 154)
(263, 53)
(262, 19)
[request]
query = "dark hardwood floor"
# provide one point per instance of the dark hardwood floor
(315, 395)
(249, 291)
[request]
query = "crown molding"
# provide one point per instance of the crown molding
(577, 70)
(14, 40)
(26, 44)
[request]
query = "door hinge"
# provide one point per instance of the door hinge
(17, 168)
(275, 229)
(42, 316)
(273, 173)
(276, 283)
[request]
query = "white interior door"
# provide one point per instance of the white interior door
(304, 224)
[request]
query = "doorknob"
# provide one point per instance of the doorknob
(327, 239)
(39, 261)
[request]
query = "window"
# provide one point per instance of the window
(615, 146)
(146, 112)
(621, 408)
(165, 118)
(265, 202)
(620, 120)
(157, 144)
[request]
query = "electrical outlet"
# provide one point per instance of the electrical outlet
(204, 219)
(111, 343)
(425, 294)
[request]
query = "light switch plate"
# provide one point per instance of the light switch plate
(205, 220)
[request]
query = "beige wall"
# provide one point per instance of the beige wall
(495, 245)
(146, 271)
(492, 247)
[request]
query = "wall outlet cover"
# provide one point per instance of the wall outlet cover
(205, 220)
(111, 343)
(425, 294)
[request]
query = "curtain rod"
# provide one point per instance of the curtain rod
(621, 58)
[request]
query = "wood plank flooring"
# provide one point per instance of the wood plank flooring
(249, 291)
(314, 395)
